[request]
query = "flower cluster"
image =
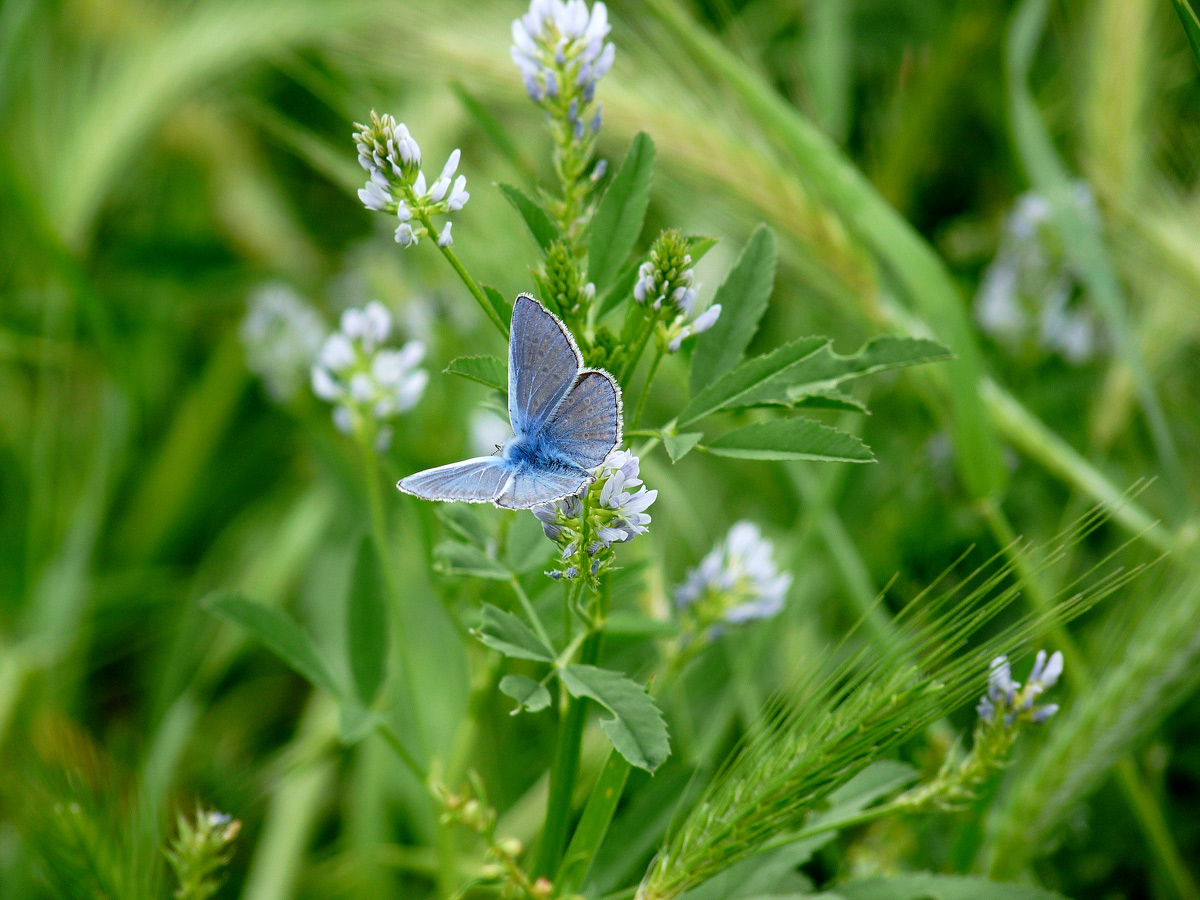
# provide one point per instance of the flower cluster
(397, 185)
(282, 334)
(665, 282)
(562, 283)
(611, 511)
(736, 582)
(201, 849)
(366, 382)
(1028, 295)
(561, 51)
(1001, 713)
(1006, 702)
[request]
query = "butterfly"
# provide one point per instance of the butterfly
(565, 420)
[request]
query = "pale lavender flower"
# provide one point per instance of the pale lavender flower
(396, 184)
(736, 582)
(282, 334)
(1006, 701)
(367, 382)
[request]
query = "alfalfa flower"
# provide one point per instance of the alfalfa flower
(1006, 702)
(1029, 295)
(736, 582)
(666, 287)
(367, 382)
(396, 185)
(282, 334)
(612, 510)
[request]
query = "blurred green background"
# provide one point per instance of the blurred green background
(162, 161)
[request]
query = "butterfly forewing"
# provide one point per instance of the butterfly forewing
(471, 481)
(587, 423)
(542, 365)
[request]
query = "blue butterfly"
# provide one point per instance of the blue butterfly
(565, 420)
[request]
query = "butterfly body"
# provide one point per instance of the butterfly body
(565, 418)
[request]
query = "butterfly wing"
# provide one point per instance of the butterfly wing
(543, 363)
(471, 481)
(531, 485)
(586, 425)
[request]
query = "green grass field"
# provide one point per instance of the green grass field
(952, 386)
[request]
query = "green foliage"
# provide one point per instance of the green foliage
(637, 729)
(504, 632)
(535, 218)
(489, 371)
(620, 214)
(791, 439)
(367, 624)
(929, 886)
(1191, 25)
(531, 696)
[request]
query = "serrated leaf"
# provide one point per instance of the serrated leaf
(729, 389)
(680, 445)
(367, 626)
(622, 210)
(928, 886)
(743, 296)
(490, 371)
(462, 519)
(504, 632)
(822, 372)
(278, 632)
(530, 695)
(457, 558)
(637, 729)
(832, 400)
(499, 304)
(796, 438)
(539, 224)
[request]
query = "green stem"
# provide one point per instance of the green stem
(1137, 793)
(641, 403)
(631, 362)
(564, 769)
(526, 605)
(476, 292)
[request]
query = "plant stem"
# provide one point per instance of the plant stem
(565, 767)
(476, 291)
(641, 403)
(526, 605)
(631, 362)
(1137, 793)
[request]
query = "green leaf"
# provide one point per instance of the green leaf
(593, 825)
(499, 304)
(743, 296)
(276, 630)
(1191, 25)
(456, 558)
(530, 695)
(543, 230)
(637, 729)
(832, 400)
(808, 368)
(463, 521)
(367, 626)
(928, 886)
(729, 389)
(629, 624)
(355, 722)
(619, 217)
(797, 438)
(680, 445)
(698, 246)
(526, 547)
(504, 632)
(487, 370)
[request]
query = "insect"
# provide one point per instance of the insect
(565, 420)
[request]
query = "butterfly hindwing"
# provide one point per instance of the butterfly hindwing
(586, 425)
(543, 363)
(533, 484)
(471, 481)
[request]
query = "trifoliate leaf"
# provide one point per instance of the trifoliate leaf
(797, 438)
(530, 695)
(743, 296)
(637, 729)
(622, 210)
(487, 370)
(504, 632)
(278, 633)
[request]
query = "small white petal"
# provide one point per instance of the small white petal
(444, 239)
